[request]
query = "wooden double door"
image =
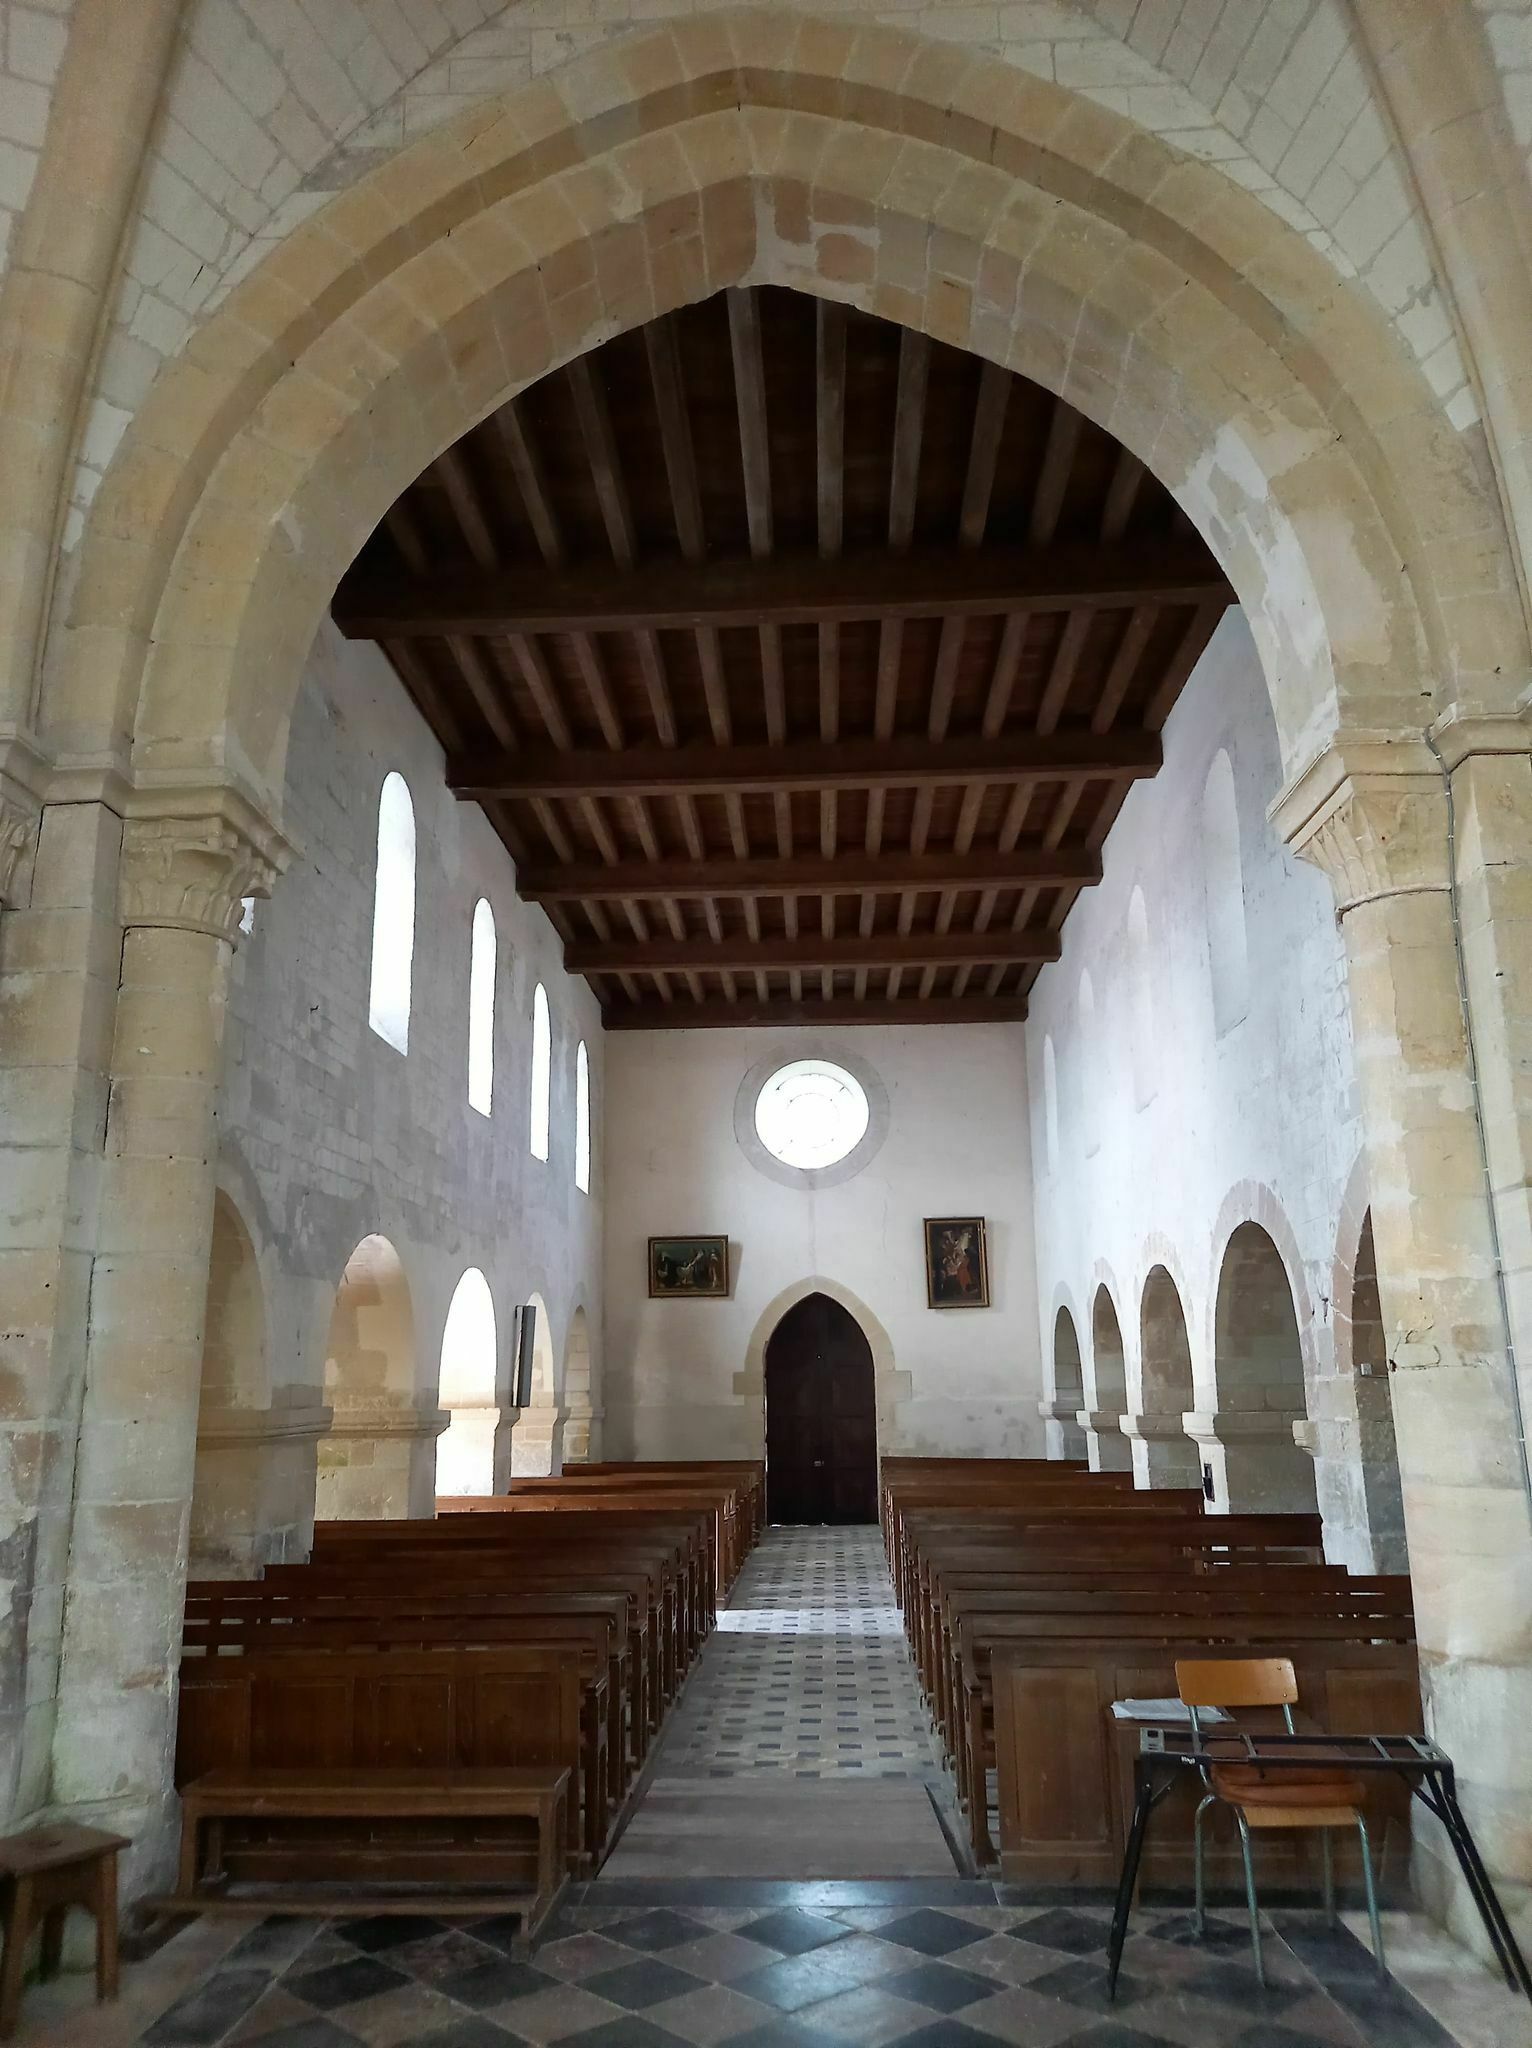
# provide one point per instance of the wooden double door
(821, 1417)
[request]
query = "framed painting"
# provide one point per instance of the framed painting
(957, 1262)
(689, 1267)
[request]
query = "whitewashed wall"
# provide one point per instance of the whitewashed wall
(1170, 1132)
(329, 1134)
(684, 1378)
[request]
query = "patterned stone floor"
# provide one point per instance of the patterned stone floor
(807, 1671)
(784, 1967)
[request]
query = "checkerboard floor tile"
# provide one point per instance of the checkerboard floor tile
(808, 1671)
(799, 1967)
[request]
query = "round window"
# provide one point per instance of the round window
(811, 1114)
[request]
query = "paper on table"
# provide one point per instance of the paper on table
(1164, 1710)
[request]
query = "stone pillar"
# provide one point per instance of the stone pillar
(1257, 1466)
(1063, 1437)
(1373, 814)
(377, 1462)
(1162, 1453)
(253, 1493)
(537, 1442)
(582, 1435)
(180, 881)
(1106, 1448)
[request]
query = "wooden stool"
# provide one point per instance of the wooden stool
(45, 1871)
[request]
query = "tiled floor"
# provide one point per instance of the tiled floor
(807, 1671)
(804, 1716)
(779, 1969)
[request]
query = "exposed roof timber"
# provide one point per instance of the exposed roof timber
(783, 590)
(902, 763)
(743, 953)
(845, 873)
(714, 1015)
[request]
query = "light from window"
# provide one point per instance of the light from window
(465, 1451)
(542, 1073)
(582, 1119)
(481, 1010)
(811, 1114)
(393, 916)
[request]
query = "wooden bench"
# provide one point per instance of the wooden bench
(295, 1829)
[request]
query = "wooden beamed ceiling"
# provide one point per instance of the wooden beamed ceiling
(801, 663)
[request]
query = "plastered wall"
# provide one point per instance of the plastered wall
(1177, 1117)
(684, 1378)
(328, 1135)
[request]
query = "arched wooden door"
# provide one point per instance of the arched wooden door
(821, 1417)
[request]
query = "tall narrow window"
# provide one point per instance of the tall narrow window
(582, 1119)
(481, 1010)
(542, 1073)
(393, 916)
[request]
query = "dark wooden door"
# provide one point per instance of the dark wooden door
(821, 1417)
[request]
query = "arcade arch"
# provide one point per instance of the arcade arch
(377, 1460)
(537, 1438)
(1065, 1434)
(1198, 328)
(470, 1372)
(1259, 1376)
(228, 1509)
(1163, 1455)
(1106, 1446)
(582, 1421)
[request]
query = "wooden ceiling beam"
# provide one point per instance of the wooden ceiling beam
(713, 1015)
(742, 954)
(846, 873)
(783, 590)
(907, 762)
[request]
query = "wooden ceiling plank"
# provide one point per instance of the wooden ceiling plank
(429, 697)
(588, 660)
(1199, 631)
(552, 825)
(830, 423)
(531, 481)
(482, 687)
(713, 1014)
(904, 762)
(1117, 509)
(806, 874)
(1066, 663)
(662, 346)
(740, 954)
(400, 521)
(908, 435)
(595, 418)
(467, 507)
(983, 452)
(541, 688)
(797, 588)
(1053, 477)
(750, 404)
(1125, 661)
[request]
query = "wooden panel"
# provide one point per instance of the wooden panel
(300, 1723)
(1055, 1804)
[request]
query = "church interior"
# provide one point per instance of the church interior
(766, 1023)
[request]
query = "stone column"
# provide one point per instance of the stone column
(1063, 1437)
(180, 883)
(537, 1442)
(377, 1461)
(1257, 1466)
(1106, 1448)
(1163, 1455)
(582, 1435)
(1373, 814)
(253, 1494)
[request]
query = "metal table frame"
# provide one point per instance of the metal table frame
(1165, 1751)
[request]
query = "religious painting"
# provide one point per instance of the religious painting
(957, 1262)
(696, 1267)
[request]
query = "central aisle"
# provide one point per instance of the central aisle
(801, 1747)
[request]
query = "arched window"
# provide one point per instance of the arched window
(393, 916)
(582, 1119)
(465, 1451)
(481, 1010)
(1224, 882)
(1143, 1000)
(542, 1073)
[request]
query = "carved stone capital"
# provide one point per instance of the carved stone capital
(1371, 812)
(189, 867)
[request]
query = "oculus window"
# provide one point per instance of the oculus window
(811, 1114)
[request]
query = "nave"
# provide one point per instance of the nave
(792, 1869)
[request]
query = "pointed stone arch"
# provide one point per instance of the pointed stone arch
(583, 1411)
(377, 1461)
(894, 1387)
